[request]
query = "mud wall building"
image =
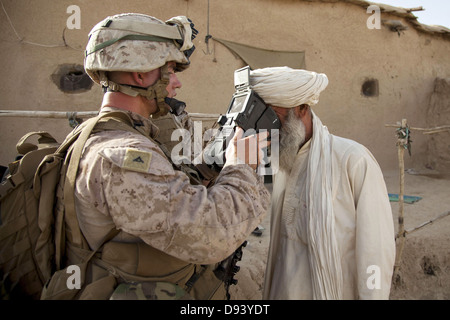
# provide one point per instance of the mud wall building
(377, 76)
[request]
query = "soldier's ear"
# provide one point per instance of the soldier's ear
(138, 78)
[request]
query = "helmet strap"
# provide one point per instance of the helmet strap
(156, 91)
(161, 92)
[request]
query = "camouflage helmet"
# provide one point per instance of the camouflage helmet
(135, 42)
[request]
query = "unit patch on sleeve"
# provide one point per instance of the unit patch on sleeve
(137, 160)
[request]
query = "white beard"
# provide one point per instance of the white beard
(292, 136)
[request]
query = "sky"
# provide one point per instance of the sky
(437, 12)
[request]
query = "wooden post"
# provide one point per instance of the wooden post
(401, 145)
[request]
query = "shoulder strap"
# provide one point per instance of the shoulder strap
(115, 123)
(23, 146)
(81, 135)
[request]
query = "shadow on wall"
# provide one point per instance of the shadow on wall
(439, 115)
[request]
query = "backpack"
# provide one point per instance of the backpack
(31, 229)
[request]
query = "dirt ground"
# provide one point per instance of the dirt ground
(425, 260)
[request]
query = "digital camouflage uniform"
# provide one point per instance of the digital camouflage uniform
(126, 181)
(172, 230)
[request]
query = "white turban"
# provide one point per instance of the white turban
(286, 87)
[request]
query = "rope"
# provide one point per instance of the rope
(21, 39)
(403, 132)
(208, 36)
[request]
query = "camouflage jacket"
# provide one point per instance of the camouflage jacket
(126, 181)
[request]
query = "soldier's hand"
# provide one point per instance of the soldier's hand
(247, 150)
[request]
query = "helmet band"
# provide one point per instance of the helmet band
(155, 91)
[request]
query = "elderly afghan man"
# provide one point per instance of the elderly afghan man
(332, 232)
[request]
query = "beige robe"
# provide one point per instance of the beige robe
(363, 226)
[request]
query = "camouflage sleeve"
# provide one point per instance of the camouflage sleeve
(147, 198)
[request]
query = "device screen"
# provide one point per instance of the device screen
(238, 104)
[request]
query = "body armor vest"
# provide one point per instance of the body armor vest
(138, 271)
